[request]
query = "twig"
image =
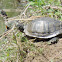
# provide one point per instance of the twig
(7, 32)
(12, 10)
(16, 10)
(53, 7)
(25, 10)
(31, 18)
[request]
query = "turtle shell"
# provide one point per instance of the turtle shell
(44, 27)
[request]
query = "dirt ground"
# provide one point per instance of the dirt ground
(51, 53)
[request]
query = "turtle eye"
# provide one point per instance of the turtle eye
(7, 27)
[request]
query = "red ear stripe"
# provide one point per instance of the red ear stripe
(6, 26)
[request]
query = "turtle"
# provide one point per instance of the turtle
(43, 28)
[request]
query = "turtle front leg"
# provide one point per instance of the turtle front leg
(53, 40)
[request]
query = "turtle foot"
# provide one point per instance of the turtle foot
(53, 40)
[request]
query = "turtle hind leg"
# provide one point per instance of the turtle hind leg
(53, 40)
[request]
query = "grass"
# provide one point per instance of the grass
(10, 51)
(9, 4)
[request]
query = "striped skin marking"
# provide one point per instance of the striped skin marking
(6, 26)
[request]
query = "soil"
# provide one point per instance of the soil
(50, 53)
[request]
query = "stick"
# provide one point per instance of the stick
(12, 10)
(7, 32)
(31, 18)
(53, 7)
(25, 10)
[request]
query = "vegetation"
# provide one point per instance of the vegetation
(47, 8)
(15, 47)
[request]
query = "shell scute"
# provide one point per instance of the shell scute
(44, 27)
